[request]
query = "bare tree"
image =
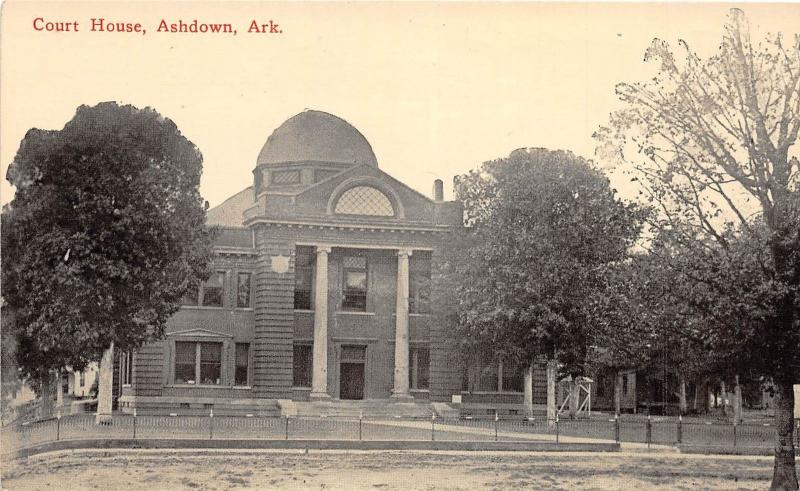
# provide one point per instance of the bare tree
(712, 142)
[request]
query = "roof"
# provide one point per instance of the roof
(230, 212)
(319, 137)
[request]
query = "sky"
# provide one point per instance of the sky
(436, 89)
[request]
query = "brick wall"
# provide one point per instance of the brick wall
(274, 317)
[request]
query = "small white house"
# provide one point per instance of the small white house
(80, 383)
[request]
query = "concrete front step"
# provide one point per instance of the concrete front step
(372, 408)
(198, 406)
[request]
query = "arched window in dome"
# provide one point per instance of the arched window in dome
(364, 200)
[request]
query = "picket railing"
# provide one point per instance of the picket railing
(656, 431)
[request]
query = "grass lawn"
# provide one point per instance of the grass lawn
(199, 469)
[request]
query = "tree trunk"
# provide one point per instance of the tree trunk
(529, 391)
(618, 393)
(46, 406)
(105, 386)
(724, 396)
(551, 392)
(737, 401)
(683, 405)
(694, 396)
(574, 393)
(784, 476)
(59, 389)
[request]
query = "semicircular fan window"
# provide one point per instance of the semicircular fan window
(364, 200)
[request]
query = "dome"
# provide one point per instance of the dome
(316, 136)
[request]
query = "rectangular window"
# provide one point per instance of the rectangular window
(242, 363)
(419, 374)
(419, 287)
(302, 365)
(243, 290)
(513, 377)
(213, 290)
(211, 363)
(600, 386)
(286, 177)
(354, 288)
(625, 384)
(83, 379)
(303, 277)
(198, 363)
(126, 368)
(185, 362)
(353, 353)
(191, 297)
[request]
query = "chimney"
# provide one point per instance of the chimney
(438, 190)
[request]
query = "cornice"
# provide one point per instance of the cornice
(358, 227)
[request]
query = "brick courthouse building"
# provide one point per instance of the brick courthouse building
(321, 289)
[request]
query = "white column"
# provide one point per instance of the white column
(401, 328)
(319, 380)
(105, 386)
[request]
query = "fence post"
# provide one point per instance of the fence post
(58, 425)
(286, 427)
(616, 427)
(360, 417)
(433, 426)
(211, 424)
(496, 418)
(556, 427)
(649, 431)
(134, 423)
(680, 429)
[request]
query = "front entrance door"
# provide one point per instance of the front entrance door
(352, 383)
(351, 372)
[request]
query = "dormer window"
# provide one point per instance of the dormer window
(364, 200)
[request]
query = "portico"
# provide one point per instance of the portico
(320, 389)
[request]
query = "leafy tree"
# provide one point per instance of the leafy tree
(713, 141)
(656, 312)
(105, 234)
(632, 321)
(541, 226)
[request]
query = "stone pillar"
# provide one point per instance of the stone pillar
(529, 391)
(551, 392)
(319, 380)
(105, 386)
(401, 329)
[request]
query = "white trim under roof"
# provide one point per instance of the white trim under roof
(350, 245)
(351, 226)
